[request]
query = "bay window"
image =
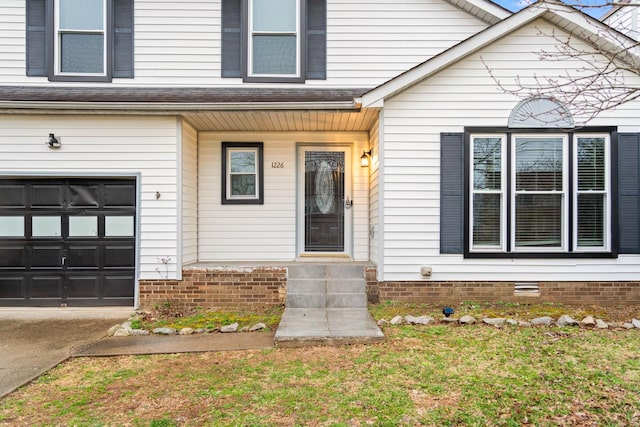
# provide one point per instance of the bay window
(539, 193)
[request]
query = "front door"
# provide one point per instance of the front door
(67, 242)
(324, 212)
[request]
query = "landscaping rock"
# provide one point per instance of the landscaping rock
(636, 323)
(467, 320)
(627, 325)
(421, 320)
(566, 320)
(512, 322)
(113, 329)
(497, 321)
(545, 320)
(127, 326)
(139, 332)
(164, 331)
(450, 320)
(397, 320)
(122, 332)
(200, 331)
(601, 324)
(588, 321)
(524, 324)
(244, 329)
(186, 331)
(229, 328)
(382, 322)
(257, 327)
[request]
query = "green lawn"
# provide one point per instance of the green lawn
(436, 375)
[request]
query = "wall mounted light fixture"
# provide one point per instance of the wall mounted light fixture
(365, 158)
(53, 142)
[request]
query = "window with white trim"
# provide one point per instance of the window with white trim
(80, 37)
(274, 38)
(539, 192)
(242, 173)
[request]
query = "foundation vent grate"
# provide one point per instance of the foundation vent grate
(525, 289)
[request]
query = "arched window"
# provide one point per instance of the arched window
(540, 113)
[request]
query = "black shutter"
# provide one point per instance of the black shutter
(36, 38)
(629, 193)
(231, 38)
(123, 38)
(451, 192)
(316, 39)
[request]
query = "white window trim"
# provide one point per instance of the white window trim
(564, 233)
(251, 33)
(59, 31)
(503, 188)
(607, 194)
(256, 173)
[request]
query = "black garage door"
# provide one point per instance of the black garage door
(67, 241)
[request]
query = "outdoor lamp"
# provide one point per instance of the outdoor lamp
(364, 159)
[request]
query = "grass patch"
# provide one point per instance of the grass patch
(436, 375)
(211, 320)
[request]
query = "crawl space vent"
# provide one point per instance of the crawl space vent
(528, 289)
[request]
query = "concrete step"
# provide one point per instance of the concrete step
(306, 300)
(346, 300)
(307, 271)
(342, 271)
(306, 285)
(336, 286)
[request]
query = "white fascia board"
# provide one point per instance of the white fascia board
(589, 27)
(177, 107)
(491, 8)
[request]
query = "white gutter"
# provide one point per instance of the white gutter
(155, 106)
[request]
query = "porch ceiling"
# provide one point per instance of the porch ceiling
(282, 121)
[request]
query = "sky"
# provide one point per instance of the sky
(516, 5)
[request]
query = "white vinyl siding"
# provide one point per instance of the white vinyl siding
(625, 20)
(179, 43)
(189, 194)
(465, 95)
(12, 40)
(267, 232)
(117, 145)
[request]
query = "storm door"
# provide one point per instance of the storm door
(67, 242)
(325, 200)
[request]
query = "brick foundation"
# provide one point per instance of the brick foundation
(219, 287)
(580, 293)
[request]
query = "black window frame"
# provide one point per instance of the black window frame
(259, 146)
(509, 252)
(40, 40)
(235, 33)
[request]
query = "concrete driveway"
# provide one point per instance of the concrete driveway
(34, 340)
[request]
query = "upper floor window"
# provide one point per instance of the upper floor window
(274, 40)
(80, 42)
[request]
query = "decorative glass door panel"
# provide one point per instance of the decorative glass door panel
(325, 200)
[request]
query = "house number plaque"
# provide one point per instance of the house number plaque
(277, 165)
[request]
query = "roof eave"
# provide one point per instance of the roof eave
(52, 106)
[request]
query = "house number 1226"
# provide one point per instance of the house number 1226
(277, 165)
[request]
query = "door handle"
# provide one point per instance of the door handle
(64, 260)
(348, 203)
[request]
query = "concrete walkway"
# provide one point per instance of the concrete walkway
(327, 326)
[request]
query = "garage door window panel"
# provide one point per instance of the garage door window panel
(11, 226)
